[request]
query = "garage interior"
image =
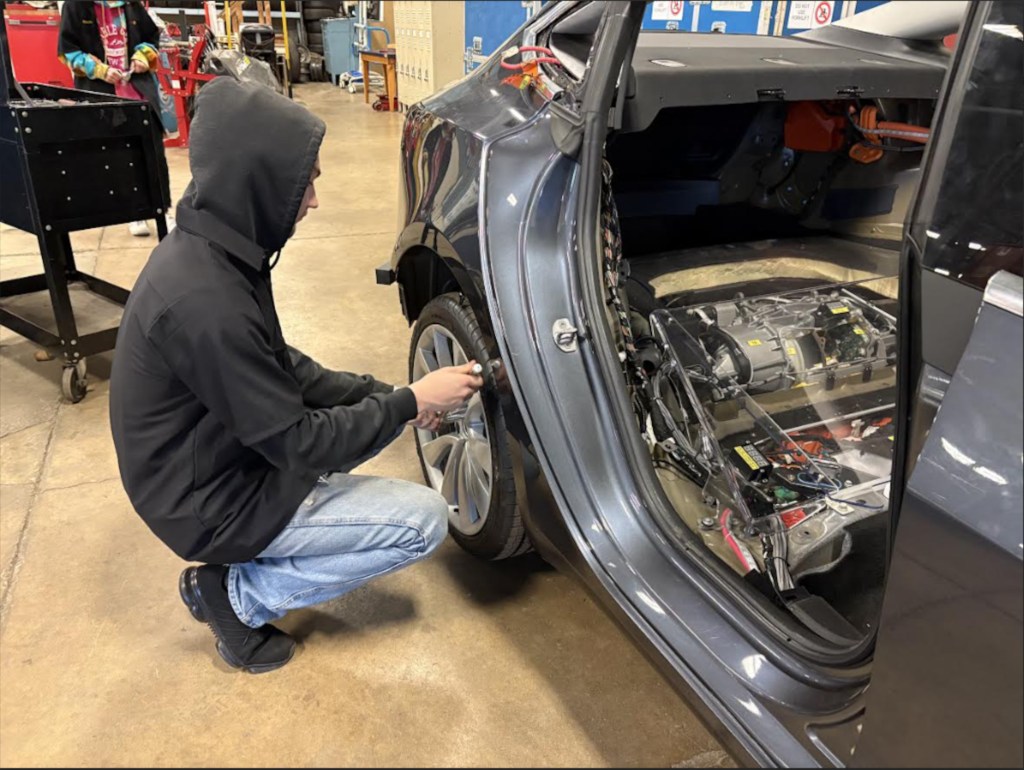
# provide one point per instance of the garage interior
(453, 662)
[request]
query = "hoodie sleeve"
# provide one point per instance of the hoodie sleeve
(70, 44)
(323, 387)
(146, 50)
(224, 357)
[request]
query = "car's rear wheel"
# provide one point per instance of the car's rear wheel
(467, 460)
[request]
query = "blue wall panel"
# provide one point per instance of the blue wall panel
(717, 17)
(492, 21)
(714, 17)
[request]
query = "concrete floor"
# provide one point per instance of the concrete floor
(451, 662)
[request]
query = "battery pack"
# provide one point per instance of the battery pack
(750, 462)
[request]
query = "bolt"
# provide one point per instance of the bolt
(48, 228)
(23, 114)
(60, 152)
(707, 523)
(74, 342)
(69, 197)
(159, 211)
(145, 122)
(111, 192)
(63, 172)
(130, 163)
(107, 168)
(28, 129)
(103, 147)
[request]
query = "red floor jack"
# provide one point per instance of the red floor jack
(182, 85)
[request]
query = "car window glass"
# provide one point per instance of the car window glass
(572, 38)
(975, 229)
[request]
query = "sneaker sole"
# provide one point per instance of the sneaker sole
(189, 593)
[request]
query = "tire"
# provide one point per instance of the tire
(315, 14)
(320, 5)
(295, 62)
(502, 534)
(315, 41)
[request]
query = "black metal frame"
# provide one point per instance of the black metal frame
(73, 160)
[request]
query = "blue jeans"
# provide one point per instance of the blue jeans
(348, 530)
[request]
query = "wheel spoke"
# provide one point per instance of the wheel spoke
(437, 449)
(425, 362)
(450, 482)
(478, 487)
(460, 355)
(468, 509)
(478, 451)
(443, 349)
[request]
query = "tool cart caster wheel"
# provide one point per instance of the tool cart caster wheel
(74, 382)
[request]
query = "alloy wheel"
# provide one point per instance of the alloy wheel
(457, 458)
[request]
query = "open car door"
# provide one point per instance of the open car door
(948, 656)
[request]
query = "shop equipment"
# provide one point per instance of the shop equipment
(73, 160)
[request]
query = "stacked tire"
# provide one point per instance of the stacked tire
(313, 11)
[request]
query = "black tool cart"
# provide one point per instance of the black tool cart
(73, 160)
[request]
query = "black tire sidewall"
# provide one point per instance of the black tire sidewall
(452, 312)
(316, 14)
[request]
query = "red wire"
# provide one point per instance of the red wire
(731, 541)
(537, 60)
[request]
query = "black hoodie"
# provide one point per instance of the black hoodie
(221, 429)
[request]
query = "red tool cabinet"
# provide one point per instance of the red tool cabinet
(32, 35)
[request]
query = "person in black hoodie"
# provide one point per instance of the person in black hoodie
(233, 446)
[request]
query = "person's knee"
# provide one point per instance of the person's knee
(432, 511)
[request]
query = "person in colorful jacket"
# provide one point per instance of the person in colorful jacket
(112, 47)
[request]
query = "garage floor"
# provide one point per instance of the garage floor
(451, 662)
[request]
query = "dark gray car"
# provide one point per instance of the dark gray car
(751, 314)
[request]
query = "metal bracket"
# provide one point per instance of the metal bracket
(566, 335)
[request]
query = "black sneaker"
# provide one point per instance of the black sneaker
(256, 650)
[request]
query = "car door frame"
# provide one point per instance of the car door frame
(758, 694)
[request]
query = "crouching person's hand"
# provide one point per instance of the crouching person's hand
(446, 389)
(428, 421)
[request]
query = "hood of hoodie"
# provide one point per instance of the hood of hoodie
(251, 153)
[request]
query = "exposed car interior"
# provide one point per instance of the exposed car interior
(751, 254)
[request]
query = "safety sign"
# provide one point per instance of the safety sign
(810, 14)
(669, 10)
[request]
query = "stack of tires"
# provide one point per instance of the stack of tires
(312, 13)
